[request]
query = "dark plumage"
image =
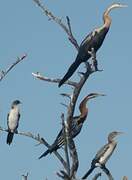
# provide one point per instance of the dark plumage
(77, 124)
(93, 40)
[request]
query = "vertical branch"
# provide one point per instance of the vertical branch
(64, 127)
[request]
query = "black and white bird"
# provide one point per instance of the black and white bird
(103, 154)
(13, 120)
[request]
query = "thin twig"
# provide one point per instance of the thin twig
(4, 73)
(52, 80)
(41, 141)
(57, 20)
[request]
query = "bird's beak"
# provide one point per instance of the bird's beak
(119, 133)
(98, 94)
(123, 5)
(94, 95)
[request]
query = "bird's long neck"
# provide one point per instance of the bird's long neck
(107, 20)
(83, 108)
(111, 140)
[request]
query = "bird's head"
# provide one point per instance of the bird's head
(16, 102)
(93, 95)
(83, 109)
(114, 6)
(114, 134)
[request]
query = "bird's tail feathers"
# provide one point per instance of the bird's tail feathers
(9, 138)
(89, 172)
(53, 147)
(70, 72)
(45, 154)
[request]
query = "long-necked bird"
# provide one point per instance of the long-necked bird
(77, 124)
(13, 120)
(93, 40)
(103, 154)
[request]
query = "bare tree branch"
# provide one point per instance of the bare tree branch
(52, 80)
(4, 73)
(41, 141)
(59, 22)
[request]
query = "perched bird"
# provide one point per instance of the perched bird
(13, 120)
(93, 40)
(77, 124)
(103, 154)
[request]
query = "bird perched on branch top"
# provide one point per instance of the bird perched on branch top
(77, 124)
(93, 40)
(103, 154)
(13, 120)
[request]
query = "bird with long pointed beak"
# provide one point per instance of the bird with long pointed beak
(103, 154)
(77, 124)
(13, 120)
(93, 40)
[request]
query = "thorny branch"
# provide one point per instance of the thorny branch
(59, 22)
(4, 73)
(40, 141)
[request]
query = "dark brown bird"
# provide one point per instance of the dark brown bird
(104, 154)
(93, 40)
(77, 125)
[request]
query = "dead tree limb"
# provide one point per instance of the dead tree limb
(66, 28)
(40, 141)
(4, 73)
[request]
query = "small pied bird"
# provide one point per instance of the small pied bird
(103, 154)
(13, 120)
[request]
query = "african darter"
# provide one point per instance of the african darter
(103, 154)
(77, 124)
(92, 41)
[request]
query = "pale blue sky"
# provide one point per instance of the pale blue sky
(24, 29)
